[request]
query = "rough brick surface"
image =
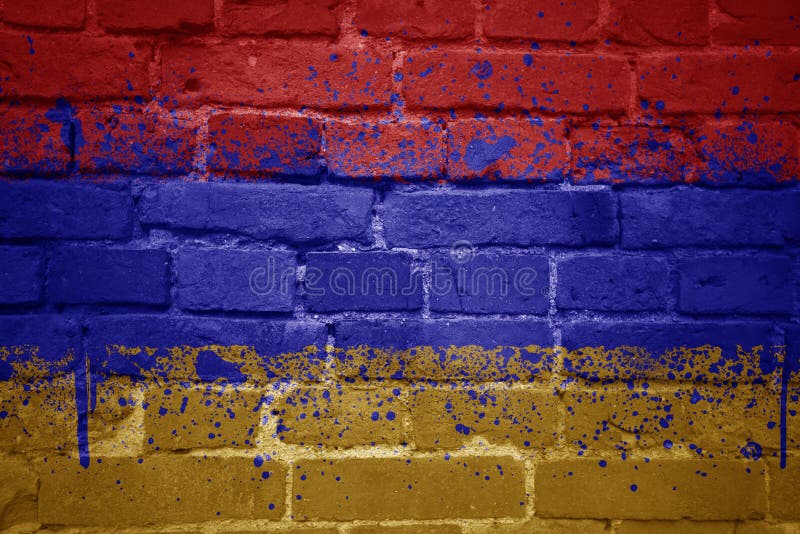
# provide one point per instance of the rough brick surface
(676, 22)
(524, 150)
(434, 19)
(18, 495)
(533, 81)
(266, 72)
(48, 13)
(551, 20)
(264, 144)
(743, 23)
(152, 15)
(612, 283)
(521, 218)
(413, 488)
(80, 275)
(400, 150)
(287, 18)
(659, 489)
(35, 140)
(56, 210)
(743, 285)
(99, 67)
(235, 280)
(319, 214)
(171, 488)
(20, 275)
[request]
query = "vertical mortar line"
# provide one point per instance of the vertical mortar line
(480, 11)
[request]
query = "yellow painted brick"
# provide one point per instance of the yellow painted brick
(675, 527)
(290, 529)
(159, 489)
(409, 488)
(340, 416)
(762, 527)
(658, 489)
(783, 488)
(114, 427)
(793, 416)
(717, 419)
(541, 526)
(428, 528)
(188, 416)
(18, 489)
(480, 364)
(446, 416)
(38, 415)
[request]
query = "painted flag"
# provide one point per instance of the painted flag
(364, 266)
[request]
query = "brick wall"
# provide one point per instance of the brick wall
(365, 266)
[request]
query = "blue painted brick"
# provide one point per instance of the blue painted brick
(489, 282)
(237, 280)
(20, 275)
(524, 218)
(45, 345)
(268, 339)
(64, 210)
(367, 281)
(660, 361)
(390, 336)
(736, 285)
(284, 212)
(687, 218)
(612, 283)
(87, 275)
(793, 351)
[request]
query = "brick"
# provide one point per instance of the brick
(236, 280)
(477, 350)
(46, 209)
(206, 349)
(612, 283)
(18, 493)
(410, 488)
(674, 22)
(550, 20)
(437, 19)
(714, 420)
(340, 417)
(20, 275)
(406, 529)
(68, 14)
(134, 140)
(37, 346)
(541, 526)
(269, 73)
(675, 527)
(398, 150)
(100, 67)
(678, 351)
(35, 140)
(747, 153)
(507, 149)
(287, 18)
(115, 422)
(764, 527)
(370, 281)
(264, 144)
(36, 413)
(735, 285)
(724, 83)
(152, 15)
(173, 489)
(783, 488)
(489, 282)
(524, 218)
(283, 212)
(447, 416)
(82, 275)
(743, 23)
(661, 219)
(200, 416)
(631, 155)
(658, 489)
(553, 83)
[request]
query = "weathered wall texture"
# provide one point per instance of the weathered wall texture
(395, 266)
